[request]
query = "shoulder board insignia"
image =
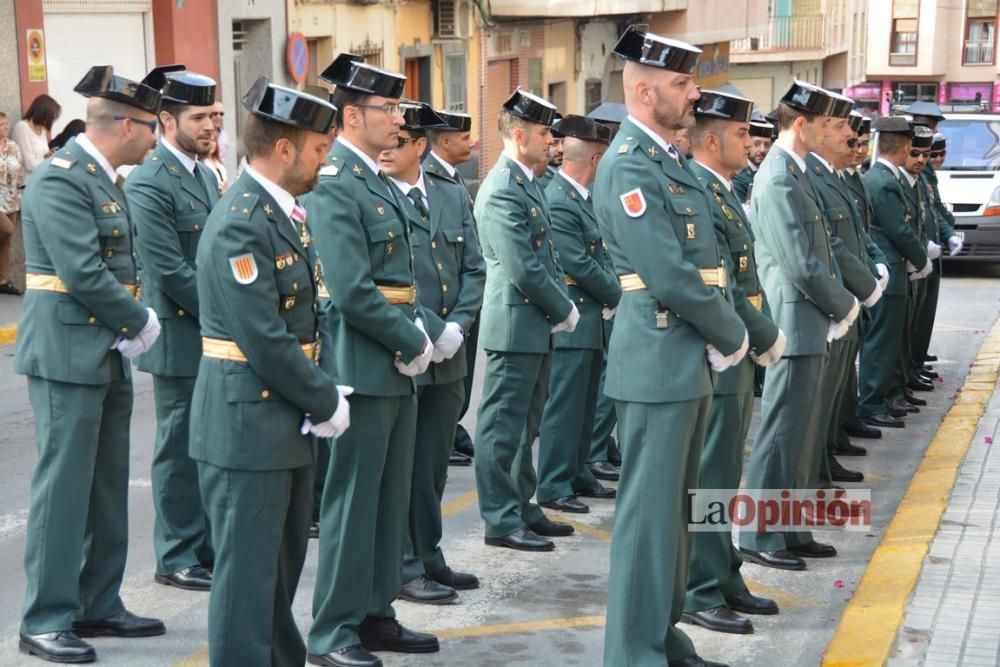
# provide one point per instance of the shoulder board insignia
(61, 163)
(244, 268)
(249, 203)
(633, 202)
(172, 169)
(623, 149)
(716, 186)
(330, 170)
(356, 169)
(518, 178)
(91, 167)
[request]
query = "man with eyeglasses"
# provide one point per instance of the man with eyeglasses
(893, 231)
(170, 196)
(380, 344)
(80, 324)
(221, 136)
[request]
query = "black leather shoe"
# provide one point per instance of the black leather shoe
(859, 429)
(813, 549)
(460, 581)
(9, 288)
(62, 646)
(194, 578)
(919, 385)
(883, 421)
(896, 412)
(566, 504)
(849, 449)
(598, 491)
(614, 455)
(546, 527)
(913, 400)
(388, 634)
(424, 590)
(841, 474)
(929, 373)
(904, 406)
(605, 470)
(780, 559)
(352, 656)
(463, 442)
(522, 540)
(719, 619)
(123, 624)
(930, 358)
(457, 458)
(314, 530)
(695, 661)
(746, 602)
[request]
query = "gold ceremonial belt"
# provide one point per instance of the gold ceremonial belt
(399, 295)
(570, 280)
(216, 348)
(718, 277)
(757, 301)
(48, 283)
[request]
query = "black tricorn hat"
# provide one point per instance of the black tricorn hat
(556, 134)
(840, 106)
(184, 87)
(650, 49)
(806, 97)
(418, 116)
(866, 126)
(715, 104)
(353, 73)
(940, 142)
(928, 109)
(289, 107)
(923, 136)
(530, 107)
(456, 121)
(609, 112)
(101, 81)
(892, 125)
(761, 128)
(157, 77)
(586, 129)
(855, 121)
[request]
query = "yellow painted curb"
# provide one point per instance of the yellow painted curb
(8, 334)
(867, 630)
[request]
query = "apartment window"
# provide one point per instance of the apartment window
(454, 82)
(592, 94)
(905, 22)
(535, 76)
(980, 32)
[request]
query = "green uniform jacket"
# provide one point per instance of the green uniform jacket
(450, 269)
(939, 221)
(546, 177)
(525, 286)
(742, 182)
(591, 279)
(736, 243)
(432, 165)
(246, 416)
(168, 208)
(797, 267)
(362, 238)
(863, 209)
(657, 221)
(892, 225)
(917, 196)
(76, 227)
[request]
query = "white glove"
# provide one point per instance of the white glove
(955, 245)
(874, 296)
(924, 272)
(132, 348)
(448, 342)
(335, 426)
(720, 362)
(608, 313)
(910, 268)
(422, 360)
(852, 314)
(839, 329)
(774, 353)
(569, 324)
(883, 275)
(933, 250)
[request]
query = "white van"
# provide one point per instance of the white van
(969, 182)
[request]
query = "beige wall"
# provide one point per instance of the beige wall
(559, 64)
(707, 21)
(10, 84)
(570, 8)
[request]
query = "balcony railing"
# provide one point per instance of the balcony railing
(979, 53)
(787, 33)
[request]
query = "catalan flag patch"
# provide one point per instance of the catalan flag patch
(244, 268)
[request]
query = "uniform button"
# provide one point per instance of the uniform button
(180, 312)
(444, 287)
(444, 311)
(115, 232)
(688, 209)
(399, 355)
(527, 301)
(124, 329)
(440, 266)
(92, 319)
(265, 394)
(581, 299)
(434, 244)
(295, 286)
(197, 226)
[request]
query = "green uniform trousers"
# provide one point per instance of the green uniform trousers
(471, 349)
(842, 354)
(506, 428)
(77, 535)
(880, 352)
(319, 480)
(924, 322)
(180, 533)
(650, 548)
(260, 528)
(438, 407)
(905, 373)
(715, 565)
(564, 443)
(605, 421)
(363, 525)
(787, 441)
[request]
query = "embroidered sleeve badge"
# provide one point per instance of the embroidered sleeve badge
(244, 268)
(634, 203)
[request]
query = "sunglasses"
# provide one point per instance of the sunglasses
(401, 141)
(151, 124)
(914, 153)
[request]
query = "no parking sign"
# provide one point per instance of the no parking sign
(297, 56)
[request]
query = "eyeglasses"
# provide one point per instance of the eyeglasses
(151, 124)
(915, 153)
(401, 141)
(936, 154)
(390, 109)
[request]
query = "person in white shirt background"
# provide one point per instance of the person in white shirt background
(34, 131)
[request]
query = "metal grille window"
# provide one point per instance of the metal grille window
(239, 35)
(454, 82)
(369, 50)
(980, 32)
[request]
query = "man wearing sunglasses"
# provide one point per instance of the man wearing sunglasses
(450, 274)
(380, 346)
(80, 324)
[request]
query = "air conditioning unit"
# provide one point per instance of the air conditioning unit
(454, 19)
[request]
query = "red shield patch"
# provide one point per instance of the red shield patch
(634, 203)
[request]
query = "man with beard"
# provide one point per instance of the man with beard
(555, 156)
(675, 324)
(80, 324)
(762, 134)
(170, 196)
(379, 342)
(260, 396)
(810, 304)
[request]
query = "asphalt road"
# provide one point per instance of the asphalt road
(533, 609)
